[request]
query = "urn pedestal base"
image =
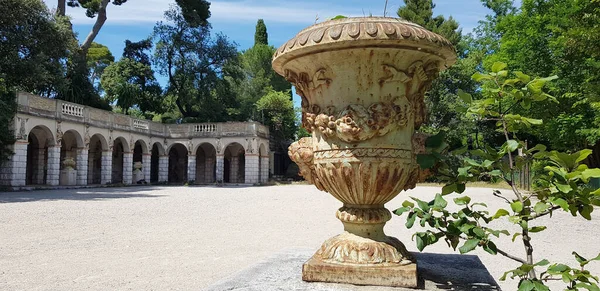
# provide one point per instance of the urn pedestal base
(349, 258)
(395, 275)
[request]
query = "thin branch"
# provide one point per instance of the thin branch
(500, 196)
(511, 256)
(535, 215)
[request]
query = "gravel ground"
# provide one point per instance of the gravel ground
(187, 238)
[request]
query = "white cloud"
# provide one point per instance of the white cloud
(237, 11)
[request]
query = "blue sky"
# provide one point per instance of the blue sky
(237, 18)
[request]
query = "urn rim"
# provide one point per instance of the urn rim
(363, 32)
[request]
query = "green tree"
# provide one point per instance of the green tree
(33, 47)
(196, 66)
(279, 115)
(421, 13)
(98, 58)
(560, 186)
(256, 77)
(130, 83)
(554, 37)
(261, 36)
(8, 108)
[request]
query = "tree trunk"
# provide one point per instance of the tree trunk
(62, 7)
(100, 19)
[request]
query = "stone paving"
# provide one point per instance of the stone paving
(189, 238)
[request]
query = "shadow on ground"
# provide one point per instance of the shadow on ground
(453, 272)
(84, 194)
(283, 271)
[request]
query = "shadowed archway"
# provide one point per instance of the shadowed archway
(206, 156)
(178, 160)
(234, 163)
(40, 138)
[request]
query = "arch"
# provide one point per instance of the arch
(40, 138)
(206, 166)
(178, 163)
(98, 137)
(234, 163)
(126, 147)
(159, 147)
(139, 149)
(204, 144)
(97, 145)
(120, 147)
(144, 146)
(42, 130)
(173, 144)
(71, 142)
(76, 136)
(262, 150)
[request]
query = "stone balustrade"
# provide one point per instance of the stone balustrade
(62, 110)
(72, 109)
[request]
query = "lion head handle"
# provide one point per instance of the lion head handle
(302, 154)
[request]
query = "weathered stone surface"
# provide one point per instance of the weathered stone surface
(436, 272)
(396, 275)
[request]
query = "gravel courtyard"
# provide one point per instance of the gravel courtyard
(187, 238)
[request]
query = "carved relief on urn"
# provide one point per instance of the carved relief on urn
(362, 82)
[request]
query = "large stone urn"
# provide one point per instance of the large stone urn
(362, 82)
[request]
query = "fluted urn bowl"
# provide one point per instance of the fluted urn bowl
(362, 82)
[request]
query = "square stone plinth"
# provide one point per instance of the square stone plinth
(316, 270)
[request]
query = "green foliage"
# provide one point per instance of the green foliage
(33, 47)
(91, 6)
(421, 13)
(8, 108)
(279, 115)
(560, 186)
(196, 66)
(195, 12)
(261, 36)
(130, 83)
(553, 37)
(98, 58)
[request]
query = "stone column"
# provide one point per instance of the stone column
(191, 170)
(13, 171)
(106, 173)
(209, 174)
(251, 175)
(220, 168)
(53, 172)
(264, 169)
(233, 170)
(82, 166)
(127, 168)
(147, 162)
(163, 168)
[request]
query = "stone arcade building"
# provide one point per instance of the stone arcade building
(62, 143)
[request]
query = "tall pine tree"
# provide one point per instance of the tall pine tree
(421, 13)
(260, 35)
